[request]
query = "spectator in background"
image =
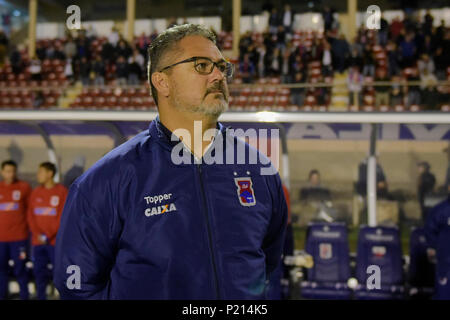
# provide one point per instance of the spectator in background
(281, 38)
(244, 42)
(328, 18)
(427, 23)
(41, 51)
(396, 95)
(383, 31)
(85, 71)
(382, 91)
(355, 59)
(274, 21)
(408, 50)
(327, 62)
(113, 37)
(425, 63)
(99, 70)
(68, 70)
(276, 61)
(428, 46)
(16, 61)
(393, 56)
(35, 69)
(253, 55)
(123, 49)
(247, 69)
(441, 62)
(59, 53)
(341, 50)
(287, 18)
(70, 48)
(83, 47)
(286, 67)
(298, 93)
(316, 52)
(368, 61)
(38, 99)
(396, 28)
(413, 96)
(425, 185)
(142, 44)
(314, 191)
(361, 184)
(429, 94)
(121, 71)
(134, 72)
(261, 66)
(108, 53)
(4, 42)
(354, 84)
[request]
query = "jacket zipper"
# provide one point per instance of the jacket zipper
(208, 226)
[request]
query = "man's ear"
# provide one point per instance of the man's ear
(161, 83)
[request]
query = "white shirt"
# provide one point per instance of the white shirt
(287, 18)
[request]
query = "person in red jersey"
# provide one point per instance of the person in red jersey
(45, 206)
(14, 194)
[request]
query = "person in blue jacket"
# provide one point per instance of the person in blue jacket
(437, 232)
(156, 218)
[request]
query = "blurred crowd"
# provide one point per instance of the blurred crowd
(411, 49)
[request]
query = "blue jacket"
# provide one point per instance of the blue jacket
(437, 232)
(137, 226)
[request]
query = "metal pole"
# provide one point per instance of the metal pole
(32, 13)
(372, 179)
(236, 27)
(284, 155)
(352, 6)
(131, 15)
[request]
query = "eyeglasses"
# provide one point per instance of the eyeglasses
(205, 66)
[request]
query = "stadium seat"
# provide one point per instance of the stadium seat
(379, 246)
(328, 245)
(422, 265)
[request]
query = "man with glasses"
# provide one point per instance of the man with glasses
(139, 224)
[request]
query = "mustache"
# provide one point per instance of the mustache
(218, 86)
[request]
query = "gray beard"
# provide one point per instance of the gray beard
(213, 110)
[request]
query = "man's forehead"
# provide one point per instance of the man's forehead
(198, 46)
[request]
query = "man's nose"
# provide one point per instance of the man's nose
(216, 74)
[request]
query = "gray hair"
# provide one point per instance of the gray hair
(167, 41)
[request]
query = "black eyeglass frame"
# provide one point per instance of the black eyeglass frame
(228, 66)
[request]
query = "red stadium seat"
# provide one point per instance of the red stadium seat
(241, 101)
(368, 108)
(258, 91)
(246, 91)
(384, 108)
(268, 101)
(414, 108)
(310, 101)
(254, 101)
(399, 108)
(282, 101)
